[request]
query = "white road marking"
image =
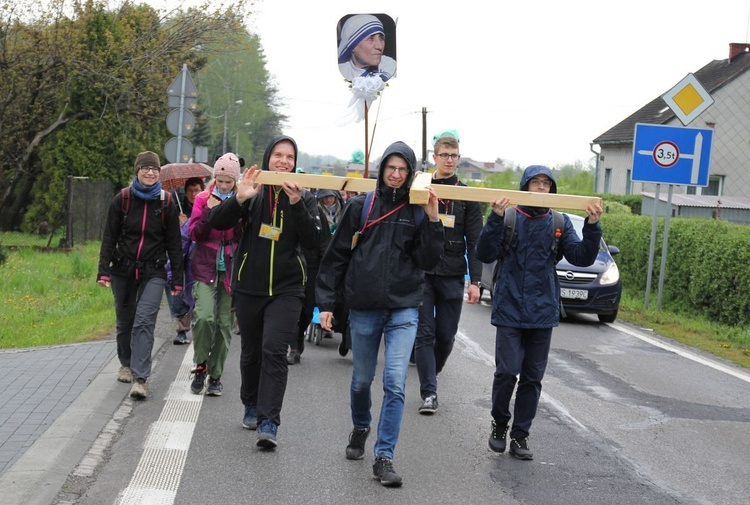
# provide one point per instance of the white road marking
(474, 351)
(167, 444)
(682, 352)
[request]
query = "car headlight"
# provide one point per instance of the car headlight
(611, 276)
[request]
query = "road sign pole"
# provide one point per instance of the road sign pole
(182, 111)
(664, 243)
(652, 247)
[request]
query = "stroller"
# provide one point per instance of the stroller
(315, 333)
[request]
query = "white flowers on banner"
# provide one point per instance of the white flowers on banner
(365, 90)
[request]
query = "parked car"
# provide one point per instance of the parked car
(595, 289)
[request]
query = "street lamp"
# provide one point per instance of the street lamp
(226, 126)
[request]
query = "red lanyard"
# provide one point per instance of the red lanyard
(369, 223)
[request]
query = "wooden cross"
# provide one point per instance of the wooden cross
(419, 194)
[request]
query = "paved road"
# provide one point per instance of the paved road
(624, 418)
(61, 398)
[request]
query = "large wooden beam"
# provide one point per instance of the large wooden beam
(419, 194)
(318, 181)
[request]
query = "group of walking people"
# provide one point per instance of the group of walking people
(400, 267)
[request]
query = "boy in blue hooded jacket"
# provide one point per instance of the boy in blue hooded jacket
(526, 302)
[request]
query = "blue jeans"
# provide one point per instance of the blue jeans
(398, 327)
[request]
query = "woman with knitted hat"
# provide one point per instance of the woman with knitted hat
(211, 267)
(141, 231)
(361, 49)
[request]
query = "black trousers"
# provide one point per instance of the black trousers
(308, 307)
(438, 323)
(268, 324)
(519, 352)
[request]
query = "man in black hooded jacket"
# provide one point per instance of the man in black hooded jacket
(268, 280)
(380, 262)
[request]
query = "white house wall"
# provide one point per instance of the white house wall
(730, 151)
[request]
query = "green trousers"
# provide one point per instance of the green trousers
(213, 321)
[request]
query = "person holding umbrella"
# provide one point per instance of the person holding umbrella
(211, 267)
(181, 306)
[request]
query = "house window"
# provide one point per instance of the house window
(628, 182)
(715, 187)
(607, 179)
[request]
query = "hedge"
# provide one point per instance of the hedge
(707, 267)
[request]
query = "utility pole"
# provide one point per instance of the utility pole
(424, 139)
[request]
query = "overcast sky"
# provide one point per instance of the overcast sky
(528, 82)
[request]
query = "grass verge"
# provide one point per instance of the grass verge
(728, 342)
(49, 298)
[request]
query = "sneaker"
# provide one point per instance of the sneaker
(357, 439)
(199, 378)
(519, 449)
(214, 387)
(250, 419)
(429, 405)
(497, 436)
(267, 434)
(125, 374)
(180, 338)
(139, 391)
(383, 471)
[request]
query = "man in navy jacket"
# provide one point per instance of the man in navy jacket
(526, 302)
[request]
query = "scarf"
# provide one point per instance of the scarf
(222, 196)
(148, 193)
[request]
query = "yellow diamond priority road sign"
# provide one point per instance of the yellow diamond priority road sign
(688, 99)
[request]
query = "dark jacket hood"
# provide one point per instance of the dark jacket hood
(404, 151)
(275, 140)
(534, 170)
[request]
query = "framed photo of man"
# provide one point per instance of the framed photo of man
(366, 46)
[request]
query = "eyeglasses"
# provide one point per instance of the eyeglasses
(446, 156)
(547, 183)
(401, 170)
(146, 170)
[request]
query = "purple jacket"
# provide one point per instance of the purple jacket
(205, 262)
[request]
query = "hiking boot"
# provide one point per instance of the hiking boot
(497, 436)
(180, 338)
(267, 434)
(214, 387)
(293, 357)
(250, 419)
(519, 448)
(139, 391)
(429, 406)
(125, 374)
(357, 439)
(199, 378)
(383, 471)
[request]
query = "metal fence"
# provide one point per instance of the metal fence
(86, 205)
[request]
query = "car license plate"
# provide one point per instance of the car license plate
(576, 294)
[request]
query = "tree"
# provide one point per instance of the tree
(82, 94)
(236, 82)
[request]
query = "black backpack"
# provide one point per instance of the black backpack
(166, 199)
(509, 223)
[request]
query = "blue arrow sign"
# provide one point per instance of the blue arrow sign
(671, 154)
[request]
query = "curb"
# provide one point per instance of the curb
(39, 475)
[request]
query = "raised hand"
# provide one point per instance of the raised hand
(247, 187)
